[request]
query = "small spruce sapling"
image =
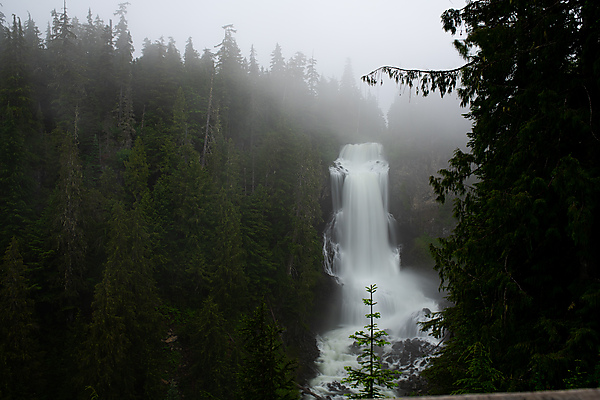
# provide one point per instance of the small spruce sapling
(370, 376)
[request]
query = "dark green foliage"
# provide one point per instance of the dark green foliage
(229, 284)
(67, 209)
(370, 376)
(13, 179)
(480, 376)
(17, 126)
(266, 372)
(183, 222)
(521, 266)
(67, 79)
(155, 82)
(212, 347)
(136, 183)
(119, 355)
(19, 349)
(123, 47)
(260, 264)
(137, 171)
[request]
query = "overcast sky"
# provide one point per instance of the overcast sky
(372, 33)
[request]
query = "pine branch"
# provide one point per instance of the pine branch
(424, 80)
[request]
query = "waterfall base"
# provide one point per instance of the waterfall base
(408, 357)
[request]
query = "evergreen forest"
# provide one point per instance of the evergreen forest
(521, 266)
(161, 214)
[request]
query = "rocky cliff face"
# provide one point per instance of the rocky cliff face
(412, 202)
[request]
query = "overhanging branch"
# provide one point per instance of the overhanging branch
(424, 81)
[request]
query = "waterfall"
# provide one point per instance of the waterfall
(360, 249)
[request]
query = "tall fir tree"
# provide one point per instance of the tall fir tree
(266, 372)
(67, 82)
(17, 128)
(123, 47)
(370, 376)
(119, 356)
(214, 355)
(232, 85)
(20, 358)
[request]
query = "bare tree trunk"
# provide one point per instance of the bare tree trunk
(208, 112)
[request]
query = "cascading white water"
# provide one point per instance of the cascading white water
(360, 249)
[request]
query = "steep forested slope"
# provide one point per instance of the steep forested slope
(150, 206)
(521, 267)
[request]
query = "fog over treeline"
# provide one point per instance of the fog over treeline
(447, 116)
(160, 215)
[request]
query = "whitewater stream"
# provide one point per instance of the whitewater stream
(360, 249)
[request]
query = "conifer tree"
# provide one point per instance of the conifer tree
(120, 354)
(97, 69)
(118, 359)
(190, 55)
(296, 83)
(67, 83)
(17, 126)
(137, 171)
(34, 57)
(19, 357)
(277, 66)
(278, 84)
(370, 376)
(68, 221)
(312, 76)
(156, 80)
(183, 221)
(13, 178)
(181, 132)
(229, 57)
(253, 67)
(123, 46)
(213, 355)
(232, 93)
(229, 283)
(123, 56)
(266, 373)
(198, 81)
(256, 229)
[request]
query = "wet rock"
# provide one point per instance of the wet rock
(337, 388)
(409, 356)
